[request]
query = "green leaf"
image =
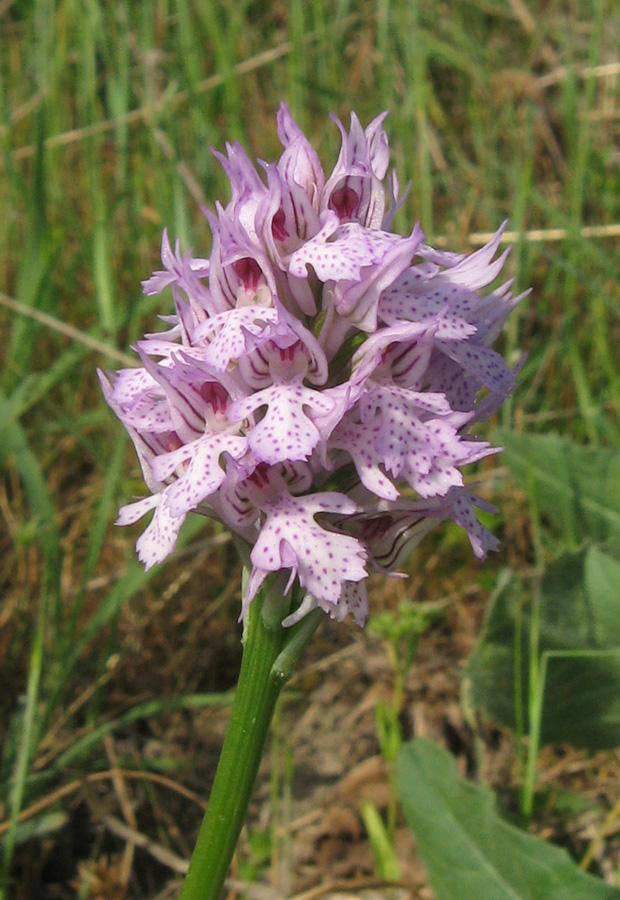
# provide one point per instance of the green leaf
(386, 861)
(602, 584)
(468, 850)
(579, 645)
(577, 488)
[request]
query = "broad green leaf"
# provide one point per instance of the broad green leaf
(468, 850)
(602, 583)
(577, 488)
(579, 623)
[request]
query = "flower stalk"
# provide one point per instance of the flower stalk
(270, 653)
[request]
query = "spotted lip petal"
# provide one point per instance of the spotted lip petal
(342, 252)
(226, 335)
(286, 431)
(316, 352)
(360, 441)
(291, 539)
(204, 475)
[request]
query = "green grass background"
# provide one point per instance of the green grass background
(498, 109)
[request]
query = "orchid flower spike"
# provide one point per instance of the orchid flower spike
(316, 349)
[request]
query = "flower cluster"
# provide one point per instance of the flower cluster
(318, 383)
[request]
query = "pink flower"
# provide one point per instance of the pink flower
(314, 348)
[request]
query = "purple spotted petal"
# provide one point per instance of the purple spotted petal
(353, 602)
(160, 537)
(462, 510)
(227, 333)
(132, 512)
(483, 363)
(351, 249)
(360, 440)
(204, 475)
(322, 560)
(358, 301)
(286, 430)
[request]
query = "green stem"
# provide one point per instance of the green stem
(258, 688)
